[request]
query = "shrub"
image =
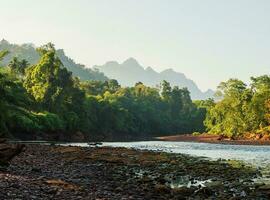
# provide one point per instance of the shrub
(196, 133)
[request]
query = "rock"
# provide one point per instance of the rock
(118, 189)
(8, 151)
(146, 179)
(2, 140)
(162, 188)
(264, 187)
(62, 184)
(243, 194)
(213, 184)
(118, 173)
(161, 180)
(257, 185)
(34, 169)
(205, 192)
(94, 143)
(183, 191)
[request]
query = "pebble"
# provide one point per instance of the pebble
(118, 173)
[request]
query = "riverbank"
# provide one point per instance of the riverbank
(206, 138)
(54, 172)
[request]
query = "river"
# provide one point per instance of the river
(256, 155)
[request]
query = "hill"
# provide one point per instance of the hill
(28, 52)
(130, 72)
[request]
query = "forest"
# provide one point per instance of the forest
(243, 111)
(45, 101)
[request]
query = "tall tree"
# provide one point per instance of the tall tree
(18, 66)
(3, 54)
(48, 81)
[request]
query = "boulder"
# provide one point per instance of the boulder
(9, 151)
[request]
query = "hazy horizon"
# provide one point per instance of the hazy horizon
(209, 41)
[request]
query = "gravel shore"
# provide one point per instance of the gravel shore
(55, 172)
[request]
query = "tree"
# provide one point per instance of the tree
(242, 110)
(48, 81)
(4, 83)
(166, 90)
(3, 103)
(267, 115)
(176, 102)
(45, 98)
(260, 87)
(18, 66)
(228, 116)
(3, 54)
(112, 85)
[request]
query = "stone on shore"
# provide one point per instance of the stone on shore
(8, 151)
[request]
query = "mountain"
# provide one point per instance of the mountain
(28, 52)
(130, 72)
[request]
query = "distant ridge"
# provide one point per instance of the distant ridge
(130, 72)
(28, 51)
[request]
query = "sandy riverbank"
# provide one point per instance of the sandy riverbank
(212, 139)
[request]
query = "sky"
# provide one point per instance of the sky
(209, 41)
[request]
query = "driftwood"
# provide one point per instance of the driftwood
(9, 151)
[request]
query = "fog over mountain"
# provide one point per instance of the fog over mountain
(28, 52)
(130, 72)
(127, 73)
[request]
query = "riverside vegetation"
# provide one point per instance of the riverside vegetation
(243, 112)
(44, 101)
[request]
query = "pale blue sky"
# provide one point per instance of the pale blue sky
(208, 40)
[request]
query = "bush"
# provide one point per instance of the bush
(23, 121)
(50, 121)
(196, 133)
(26, 121)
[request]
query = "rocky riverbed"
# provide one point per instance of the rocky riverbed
(55, 172)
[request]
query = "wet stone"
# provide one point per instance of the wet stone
(54, 172)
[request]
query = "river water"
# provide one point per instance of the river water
(256, 155)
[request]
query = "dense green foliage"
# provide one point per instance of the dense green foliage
(242, 110)
(44, 100)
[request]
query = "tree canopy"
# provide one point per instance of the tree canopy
(242, 110)
(46, 99)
